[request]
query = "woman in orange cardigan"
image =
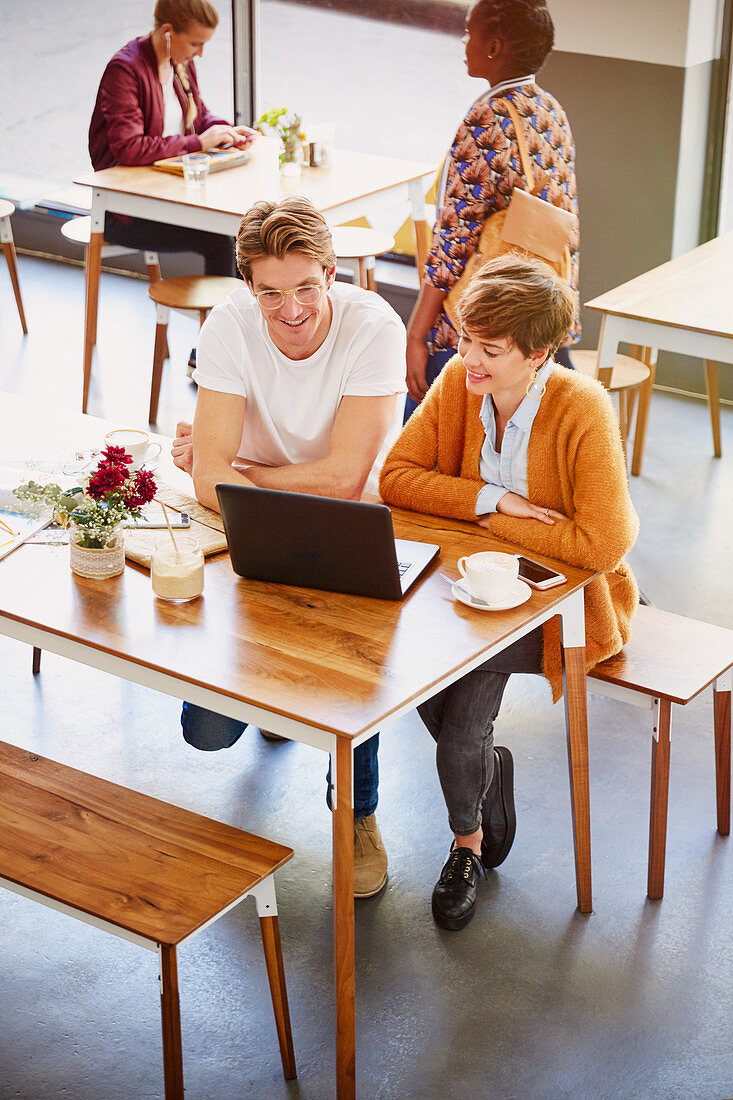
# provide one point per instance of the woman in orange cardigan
(530, 451)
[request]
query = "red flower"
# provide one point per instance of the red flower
(106, 478)
(116, 455)
(140, 490)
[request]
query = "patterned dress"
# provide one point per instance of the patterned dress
(483, 168)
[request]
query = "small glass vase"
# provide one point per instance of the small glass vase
(97, 562)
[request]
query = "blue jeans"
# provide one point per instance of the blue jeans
(208, 731)
(436, 361)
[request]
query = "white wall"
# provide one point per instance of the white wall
(661, 32)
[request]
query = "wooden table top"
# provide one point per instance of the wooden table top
(692, 291)
(336, 662)
(350, 176)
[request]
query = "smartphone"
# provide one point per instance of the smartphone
(181, 521)
(538, 576)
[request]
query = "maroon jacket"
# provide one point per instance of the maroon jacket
(127, 123)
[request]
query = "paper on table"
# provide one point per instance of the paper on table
(18, 521)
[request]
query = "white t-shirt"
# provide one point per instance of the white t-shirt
(173, 112)
(291, 404)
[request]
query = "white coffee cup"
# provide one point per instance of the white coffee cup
(136, 443)
(489, 575)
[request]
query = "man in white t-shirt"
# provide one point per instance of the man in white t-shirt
(299, 380)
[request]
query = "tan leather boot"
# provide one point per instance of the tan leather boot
(370, 858)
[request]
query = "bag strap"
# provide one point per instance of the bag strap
(533, 186)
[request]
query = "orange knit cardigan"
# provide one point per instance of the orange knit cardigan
(575, 464)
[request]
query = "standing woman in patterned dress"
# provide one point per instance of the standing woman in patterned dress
(506, 42)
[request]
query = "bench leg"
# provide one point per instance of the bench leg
(270, 929)
(154, 276)
(36, 660)
(658, 807)
(721, 710)
(171, 1016)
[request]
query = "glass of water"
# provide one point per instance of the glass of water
(195, 169)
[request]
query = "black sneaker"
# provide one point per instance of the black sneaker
(454, 896)
(498, 816)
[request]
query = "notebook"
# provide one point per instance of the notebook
(219, 159)
(319, 542)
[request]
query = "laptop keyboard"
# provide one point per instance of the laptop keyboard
(403, 566)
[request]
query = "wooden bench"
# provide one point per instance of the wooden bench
(671, 659)
(139, 868)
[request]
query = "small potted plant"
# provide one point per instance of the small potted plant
(288, 127)
(96, 511)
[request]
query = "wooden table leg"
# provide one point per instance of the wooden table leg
(642, 415)
(93, 269)
(12, 262)
(713, 390)
(721, 710)
(576, 725)
(343, 924)
(171, 1017)
(421, 230)
(161, 333)
(270, 929)
(658, 802)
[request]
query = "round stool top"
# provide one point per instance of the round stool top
(627, 372)
(193, 292)
(6, 208)
(78, 229)
(353, 242)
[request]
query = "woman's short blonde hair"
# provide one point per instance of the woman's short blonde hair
(182, 13)
(520, 298)
(276, 228)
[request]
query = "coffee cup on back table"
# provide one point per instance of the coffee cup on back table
(489, 575)
(136, 443)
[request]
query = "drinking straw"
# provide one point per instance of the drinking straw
(170, 529)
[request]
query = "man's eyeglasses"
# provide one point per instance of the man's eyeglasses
(308, 295)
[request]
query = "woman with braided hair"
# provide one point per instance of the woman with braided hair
(148, 108)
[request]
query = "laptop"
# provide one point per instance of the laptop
(319, 542)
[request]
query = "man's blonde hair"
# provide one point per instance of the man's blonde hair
(277, 228)
(182, 13)
(520, 298)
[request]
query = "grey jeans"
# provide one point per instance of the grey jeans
(461, 720)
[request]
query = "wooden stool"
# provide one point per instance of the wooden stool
(351, 242)
(6, 239)
(629, 375)
(193, 296)
(79, 231)
(671, 659)
(139, 868)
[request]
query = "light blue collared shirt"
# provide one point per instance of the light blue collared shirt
(506, 471)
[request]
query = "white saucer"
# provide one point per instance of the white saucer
(519, 594)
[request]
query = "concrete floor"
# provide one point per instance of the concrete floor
(532, 1000)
